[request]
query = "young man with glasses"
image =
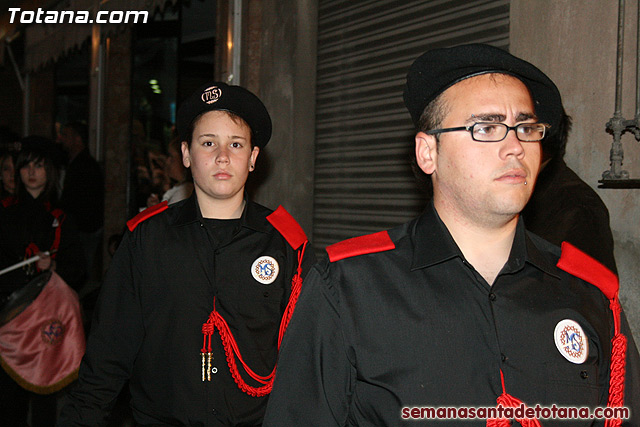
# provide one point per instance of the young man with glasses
(460, 308)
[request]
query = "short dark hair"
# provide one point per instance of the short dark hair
(554, 145)
(233, 116)
(431, 118)
(35, 149)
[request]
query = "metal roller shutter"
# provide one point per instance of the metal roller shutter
(363, 179)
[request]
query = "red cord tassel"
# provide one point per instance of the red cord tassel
(230, 345)
(507, 401)
(618, 368)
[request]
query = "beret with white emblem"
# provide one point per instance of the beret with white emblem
(235, 99)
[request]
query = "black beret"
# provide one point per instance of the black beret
(221, 96)
(438, 69)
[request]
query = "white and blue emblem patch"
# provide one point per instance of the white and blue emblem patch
(265, 269)
(571, 341)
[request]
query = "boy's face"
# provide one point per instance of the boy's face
(220, 156)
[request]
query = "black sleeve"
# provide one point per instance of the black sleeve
(309, 260)
(314, 373)
(114, 341)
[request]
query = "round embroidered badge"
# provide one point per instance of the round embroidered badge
(265, 269)
(52, 332)
(571, 341)
(211, 94)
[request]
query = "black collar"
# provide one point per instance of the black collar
(188, 211)
(433, 244)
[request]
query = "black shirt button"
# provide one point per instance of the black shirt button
(492, 296)
(266, 294)
(214, 412)
(584, 375)
(503, 357)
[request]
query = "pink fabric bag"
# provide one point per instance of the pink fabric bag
(41, 348)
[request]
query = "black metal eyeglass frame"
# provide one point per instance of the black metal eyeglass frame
(503, 125)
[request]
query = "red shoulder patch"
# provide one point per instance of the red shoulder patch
(288, 227)
(146, 214)
(574, 261)
(362, 245)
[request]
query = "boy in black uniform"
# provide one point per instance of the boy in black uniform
(460, 308)
(199, 293)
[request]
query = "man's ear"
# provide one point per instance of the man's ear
(186, 158)
(426, 152)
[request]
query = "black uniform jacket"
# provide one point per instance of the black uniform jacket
(33, 221)
(418, 326)
(147, 328)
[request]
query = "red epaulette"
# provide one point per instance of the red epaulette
(288, 227)
(581, 265)
(362, 245)
(574, 261)
(146, 214)
(8, 201)
(294, 235)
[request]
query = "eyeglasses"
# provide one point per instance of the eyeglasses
(496, 132)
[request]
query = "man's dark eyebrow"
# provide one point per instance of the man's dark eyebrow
(487, 117)
(497, 118)
(525, 116)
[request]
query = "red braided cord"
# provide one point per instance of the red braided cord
(507, 401)
(498, 422)
(231, 347)
(296, 286)
(207, 330)
(59, 215)
(618, 361)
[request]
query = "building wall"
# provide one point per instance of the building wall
(10, 100)
(41, 102)
(574, 42)
(286, 36)
(117, 133)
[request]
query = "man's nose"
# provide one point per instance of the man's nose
(511, 145)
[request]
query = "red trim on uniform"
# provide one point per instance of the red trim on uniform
(288, 227)
(231, 349)
(507, 401)
(146, 214)
(362, 245)
(59, 215)
(581, 265)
